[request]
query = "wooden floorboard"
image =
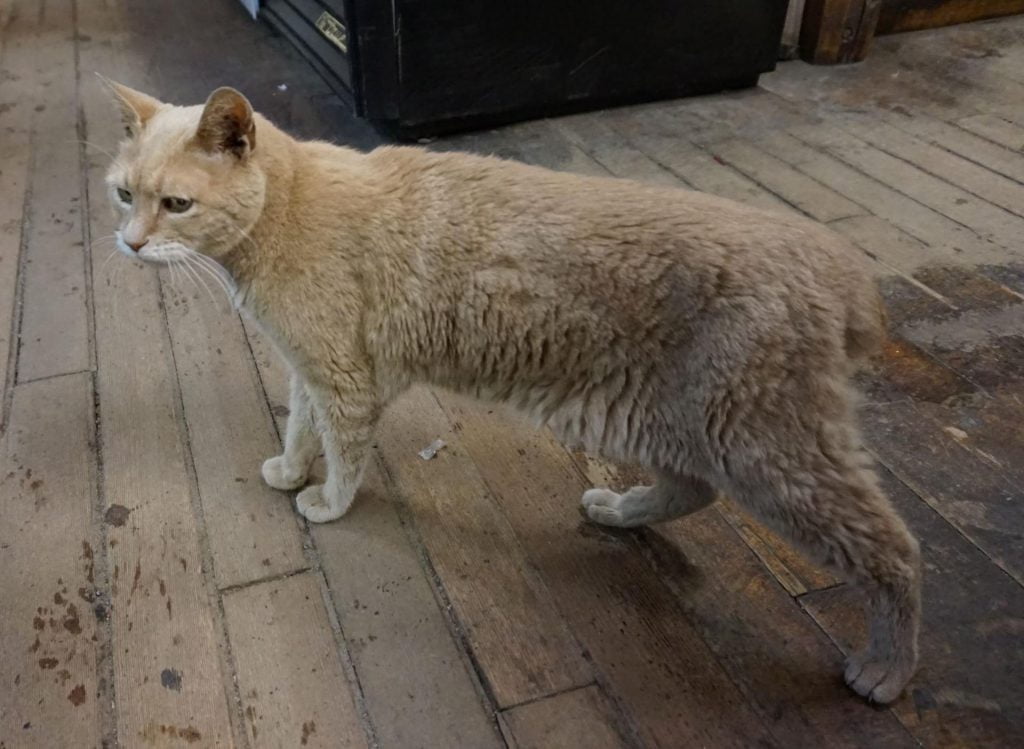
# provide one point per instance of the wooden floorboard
(464, 602)
(49, 645)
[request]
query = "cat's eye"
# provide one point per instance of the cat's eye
(177, 205)
(124, 196)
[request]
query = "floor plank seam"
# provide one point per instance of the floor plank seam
(652, 157)
(312, 554)
(624, 719)
(228, 666)
(550, 695)
(83, 190)
(929, 501)
(923, 167)
(348, 665)
(455, 627)
(957, 124)
(709, 149)
(838, 157)
(14, 347)
(102, 587)
(278, 577)
(54, 376)
(103, 600)
(965, 156)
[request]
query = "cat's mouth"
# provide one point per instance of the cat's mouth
(155, 253)
(174, 255)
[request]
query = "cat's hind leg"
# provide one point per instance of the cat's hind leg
(670, 497)
(290, 470)
(823, 495)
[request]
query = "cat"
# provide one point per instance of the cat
(706, 340)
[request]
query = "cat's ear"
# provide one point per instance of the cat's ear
(228, 124)
(136, 107)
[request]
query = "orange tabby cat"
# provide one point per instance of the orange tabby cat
(708, 341)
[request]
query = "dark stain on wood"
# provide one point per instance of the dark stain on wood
(71, 621)
(308, 729)
(170, 678)
(77, 695)
(116, 515)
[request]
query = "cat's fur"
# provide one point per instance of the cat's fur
(708, 341)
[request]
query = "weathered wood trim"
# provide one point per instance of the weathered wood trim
(838, 31)
(913, 15)
(790, 47)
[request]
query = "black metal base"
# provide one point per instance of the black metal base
(451, 65)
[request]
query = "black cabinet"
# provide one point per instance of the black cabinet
(419, 67)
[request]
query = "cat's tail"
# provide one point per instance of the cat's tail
(866, 323)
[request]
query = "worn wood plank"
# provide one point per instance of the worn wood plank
(966, 692)
(920, 443)
(996, 129)
(254, 530)
(986, 220)
(796, 188)
(656, 665)
(582, 717)
(417, 687)
(948, 240)
(54, 334)
(14, 157)
(48, 652)
(697, 167)
(881, 82)
(16, 40)
(602, 143)
(956, 170)
(963, 66)
(170, 669)
(293, 685)
(979, 337)
(992, 156)
(523, 647)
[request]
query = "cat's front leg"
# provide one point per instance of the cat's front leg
(290, 470)
(346, 422)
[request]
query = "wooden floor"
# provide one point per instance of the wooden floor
(153, 592)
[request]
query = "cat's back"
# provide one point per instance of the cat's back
(617, 218)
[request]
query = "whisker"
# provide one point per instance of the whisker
(216, 270)
(93, 145)
(104, 263)
(188, 265)
(173, 278)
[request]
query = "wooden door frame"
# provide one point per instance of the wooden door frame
(838, 31)
(791, 31)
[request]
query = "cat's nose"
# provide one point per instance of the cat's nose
(137, 245)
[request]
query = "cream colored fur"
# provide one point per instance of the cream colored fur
(708, 341)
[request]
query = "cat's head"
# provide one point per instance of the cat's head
(185, 178)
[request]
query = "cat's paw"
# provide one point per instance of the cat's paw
(313, 505)
(602, 506)
(878, 679)
(278, 474)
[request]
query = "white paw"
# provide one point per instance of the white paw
(602, 507)
(280, 475)
(877, 679)
(313, 506)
